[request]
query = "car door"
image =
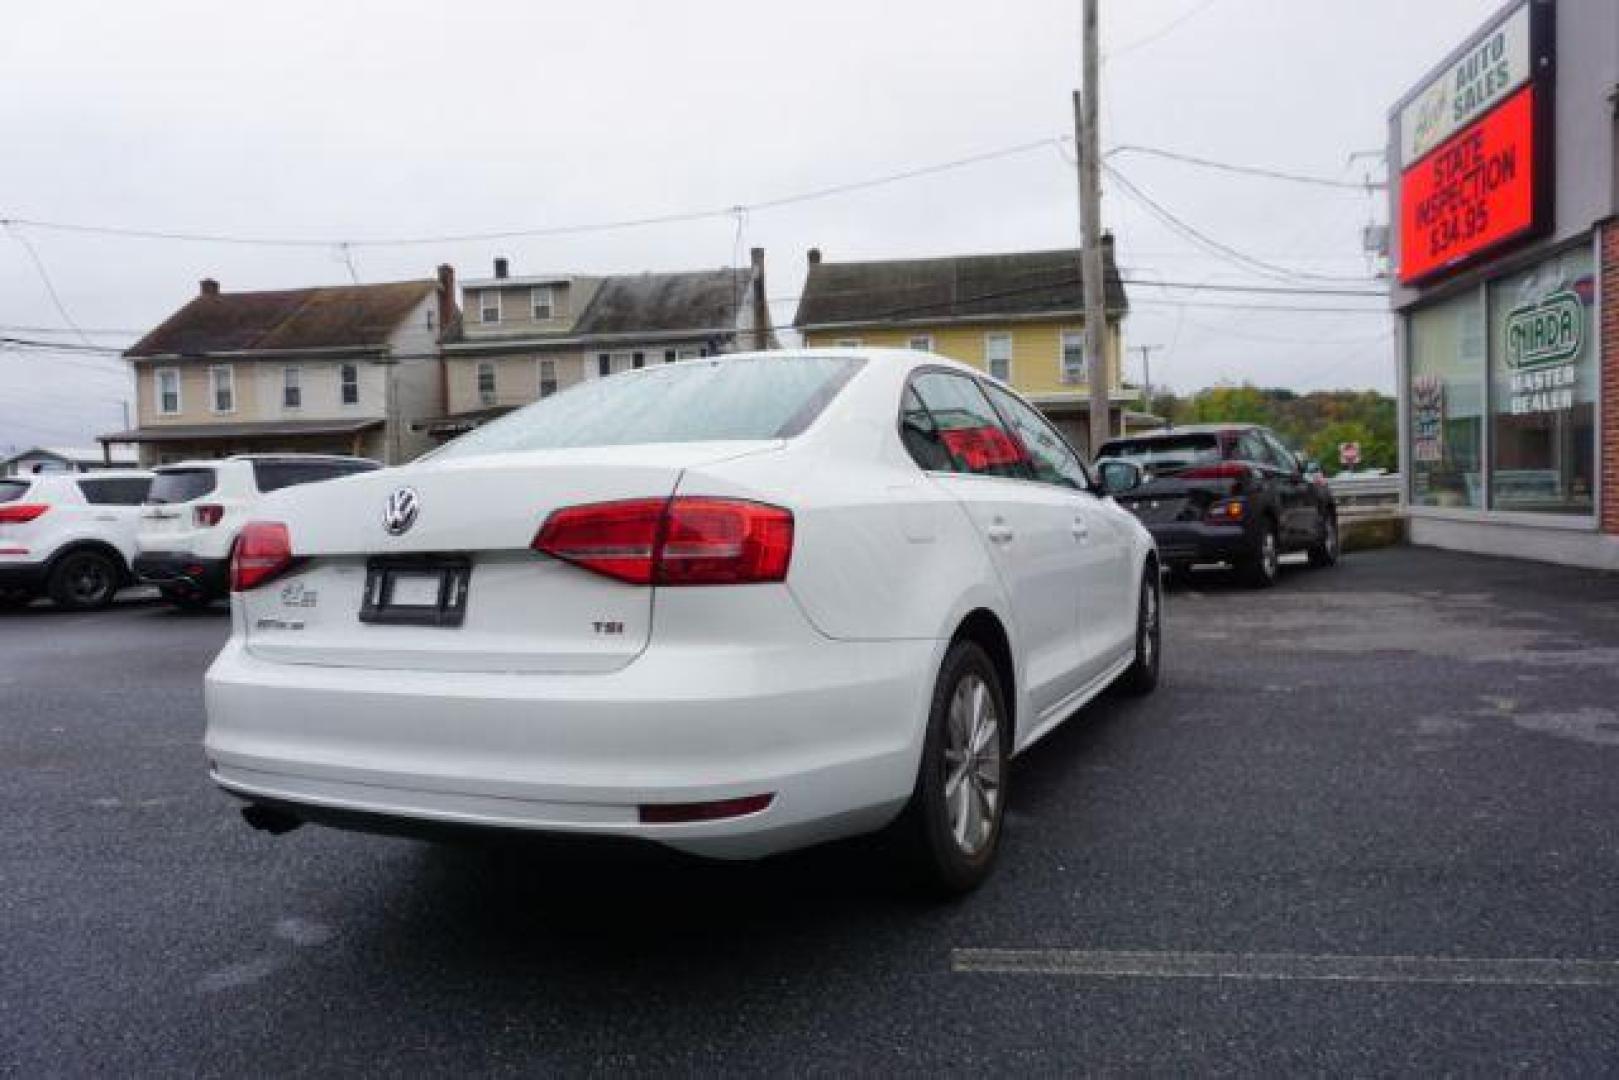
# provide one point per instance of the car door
(1101, 551)
(1028, 528)
(1295, 495)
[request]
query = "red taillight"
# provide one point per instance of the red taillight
(263, 551)
(205, 514)
(1225, 512)
(674, 813)
(17, 513)
(1220, 470)
(680, 541)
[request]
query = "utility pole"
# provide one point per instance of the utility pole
(1087, 143)
(1146, 352)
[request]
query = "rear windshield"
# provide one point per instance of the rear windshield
(770, 397)
(12, 490)
(1166, 451)
(275, 475)
(180, 485)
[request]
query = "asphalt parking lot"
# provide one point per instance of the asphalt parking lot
(1366, 825)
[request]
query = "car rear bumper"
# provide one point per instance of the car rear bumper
(179, 569)
(1187, 542)
(22, 576)
(832, 732)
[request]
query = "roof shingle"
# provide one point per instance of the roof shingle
(958, 287)
(326, 317)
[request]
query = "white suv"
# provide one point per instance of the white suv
(68, 535)
(196, 508)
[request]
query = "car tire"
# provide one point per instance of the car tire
(1141, 677)
(1326, 553)
(84, 581)
(1262, 566)
(952, 826)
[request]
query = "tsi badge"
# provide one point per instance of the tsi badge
(399, 513)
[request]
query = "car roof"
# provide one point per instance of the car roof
(90, 474)
(1186, 429)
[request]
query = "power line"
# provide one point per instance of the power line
(342, 245)
(1163, 31)
(1244, 170)
(45, 277)
(1231, 254)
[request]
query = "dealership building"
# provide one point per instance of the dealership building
(1504, 206)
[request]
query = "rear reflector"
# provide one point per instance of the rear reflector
(205, 514)
(679, 541)
(263, 552)
(18, 513)
(674, 813)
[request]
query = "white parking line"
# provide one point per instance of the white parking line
(1286, 967)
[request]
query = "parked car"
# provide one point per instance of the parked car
(196, 509)
(1230, 493)
(733, 605)
(69, 536)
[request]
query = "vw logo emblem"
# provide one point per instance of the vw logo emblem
(399, 513)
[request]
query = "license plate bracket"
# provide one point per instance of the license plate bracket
(416, 590)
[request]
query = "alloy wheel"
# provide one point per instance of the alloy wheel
(972, 764)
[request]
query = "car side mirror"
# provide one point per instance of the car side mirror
(1119, 477)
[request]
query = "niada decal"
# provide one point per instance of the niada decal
(1550, 331)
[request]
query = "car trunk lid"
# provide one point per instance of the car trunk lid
(523, 612)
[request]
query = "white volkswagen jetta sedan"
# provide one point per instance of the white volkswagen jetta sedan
(730, 605)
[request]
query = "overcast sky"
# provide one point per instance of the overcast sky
(347, 121)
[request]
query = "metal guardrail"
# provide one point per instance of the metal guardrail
(1367, 496)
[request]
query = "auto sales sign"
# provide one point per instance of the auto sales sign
(1474, 146)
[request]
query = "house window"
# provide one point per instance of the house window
(921, 343)
(292, 388)
(548, 377)
(168, 391)
(1073, 356)
(998, 356)
(486, 382)
(222, 381)
(540, 298)
(604, 365)
(489, 305)
(349, 378)
(669, 356)
(638, 360)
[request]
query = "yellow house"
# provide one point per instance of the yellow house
(1018, 316)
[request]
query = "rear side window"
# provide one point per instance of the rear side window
(275, 475)
(965, 427)
(1251, 448)
(12, 490)
(119, 491)
(180, 485)
(1050, 456)
(769, 397)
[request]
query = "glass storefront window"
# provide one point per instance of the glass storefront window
(1543, 373)
(1446, 351)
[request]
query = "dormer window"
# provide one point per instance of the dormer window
(542, 302)
(489, 305)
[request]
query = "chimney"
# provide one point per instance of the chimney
(210, 287)
(762, 337)
(815, 256)
(447, 310)
(501, 266)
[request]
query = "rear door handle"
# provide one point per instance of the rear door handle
(1000, 534)
(1081, 529)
